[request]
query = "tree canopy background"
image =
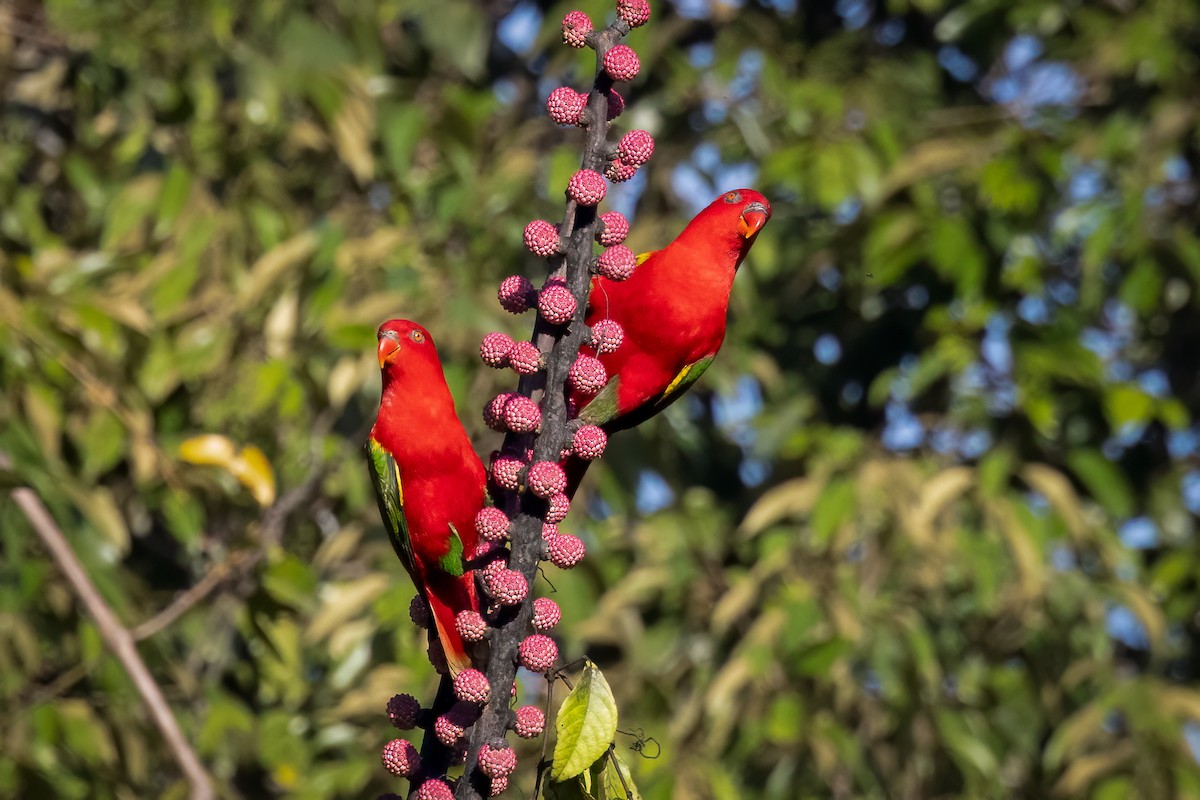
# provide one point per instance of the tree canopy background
(926, 529)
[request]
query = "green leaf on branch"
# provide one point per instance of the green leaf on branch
(586, 724)
(614, 789)
(577, 788)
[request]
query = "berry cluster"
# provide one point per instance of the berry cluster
(522, 485)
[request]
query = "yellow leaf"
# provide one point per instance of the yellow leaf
(211, 449)
(253, 470)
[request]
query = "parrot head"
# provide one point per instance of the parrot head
(404, 345)
(735, 217)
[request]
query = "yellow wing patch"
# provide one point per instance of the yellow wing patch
(399, 485)
(642, 258)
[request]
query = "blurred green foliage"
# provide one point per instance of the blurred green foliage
(897, 556)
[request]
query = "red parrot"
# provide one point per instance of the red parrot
(428, 480)
(672, 310)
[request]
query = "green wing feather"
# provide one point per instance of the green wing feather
(385, 474)
(602, 410)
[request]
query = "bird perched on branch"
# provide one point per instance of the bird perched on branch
(671, 312)
(428, 479)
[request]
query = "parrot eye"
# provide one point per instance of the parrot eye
(417, 336)
(733, 197)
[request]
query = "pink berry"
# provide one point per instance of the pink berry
(549, 529)
(618, 171)
(515, 294)
(621, 63)
(470, 626)
(506, 472)
(557, 508)
(402, 710)
(434, 789)
(491, 524)
(493, 412)
(587, 374)
(546, 478)
(493, 559)
(508, 587)
(587, 187)
(615, 229)
(546, 614)
(537, 653)
(616, 263)
(530, 722)
(522, 415)
(565, 105)
(497, 762)
(565, 550)
(606, 336)
(451, 726)
(589, 442)
(400, 758)
(418, 612)
(616, 104)
(575, 27)
(636, 13)
(556, 304)
(499, 786)
(471, 686)
(525, 358)
(635, 148)
(541, 237)
(494, 349)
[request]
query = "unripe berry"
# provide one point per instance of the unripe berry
(400, 758)
(497, 762)
(621, 63)
(470, 626)
(525, 358)
(402, 710)
(606, 336)
(635, 148)
(616, 104)
(522, 415)
(589, 442)
(471, 686)
(587, 375)
(546, 478)
(418, 612)
(556, 304)
(506, 472)
(587, 187)
(515, 294)
(616, 263)
(575, 27)
(499, 786)
(537, 653)
(434, 789)
(636, 13)
(494, 349)
(493, 412)
(508, 587)
(437, 657)
(541, 237)
(491, 524)
(565, 105)
(546, 614)
(618, 171)
(565, 550)
(615, 229)
(530, 722)
(557, 508)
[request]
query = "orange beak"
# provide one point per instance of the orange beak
(389, 345)
(752, 220)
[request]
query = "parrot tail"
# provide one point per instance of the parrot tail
(447, 596)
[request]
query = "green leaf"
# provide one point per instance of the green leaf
(1104, 481)
(617, 771)
(577, 788)
(586, 724)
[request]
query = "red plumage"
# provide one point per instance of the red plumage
(440, 483)
(673, 312)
